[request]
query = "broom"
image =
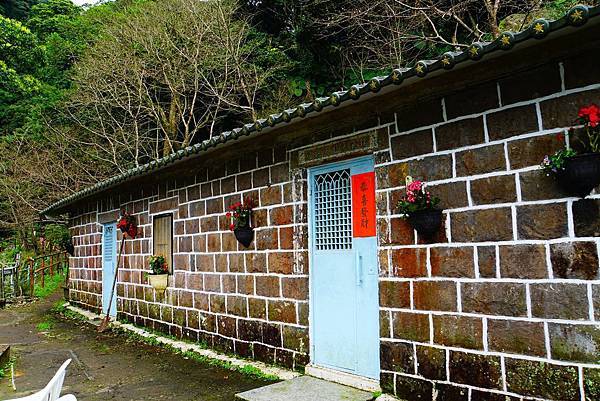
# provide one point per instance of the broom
(106, 319)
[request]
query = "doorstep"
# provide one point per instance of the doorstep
(306, 388)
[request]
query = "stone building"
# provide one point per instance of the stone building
(503, 304)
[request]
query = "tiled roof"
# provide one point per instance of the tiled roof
(538, 29)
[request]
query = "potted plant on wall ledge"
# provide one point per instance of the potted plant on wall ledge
(241, 221)
(158, 278)
(578, 173)
(419, 207)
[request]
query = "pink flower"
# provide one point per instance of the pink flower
(415, 186)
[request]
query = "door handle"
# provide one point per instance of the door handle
(358, 266)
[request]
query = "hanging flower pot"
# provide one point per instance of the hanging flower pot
(427, 222)
(159, 277)
(418, 206)
(159, 282)
(244, 235)
(579, 174)
(241, 216)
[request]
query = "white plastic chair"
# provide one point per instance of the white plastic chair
(52, 390)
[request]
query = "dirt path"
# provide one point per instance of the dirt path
(105, 366)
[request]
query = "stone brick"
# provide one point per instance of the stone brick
(542, 379)
(527, 261)
(237, 306)
(208, 224)
(394, 294)
(270, 196)
(286, 237)
(586, 217)
(397, 357)
(591, 383)
(581, 71)
(260, 177)
(596, 300)
(562, 111)
(531, 151)
(459, 133)
(497, 189)
(448, 392)
(281, 262)
(430, 168)
(452, 262)
(536, 185)
(295, 338)
(481, 160)
(386, 381)
(256, 263)
(577, 343)
(267, 286)
(543, 221)
(458, 331)
(502, 299)
(435, 295)
(479, 395)
(401, 232)
(271, 333)
(575, 260)
(486, 259)
(384, 324)
(431, 362)
(517, 337)
(512, 122)
(530, 84)
(452, 194)
(409, 262)
(245, 284)
(559, 301)
(282, 311)
(281, 215)
(257, 308)
(466, 226)
(413, 144)
(472, 100)
(410, 326)
(413, 389)
(294, 287)
(475, 370)
(164, 205)
(419, 114)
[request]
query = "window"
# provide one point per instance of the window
(162, 238)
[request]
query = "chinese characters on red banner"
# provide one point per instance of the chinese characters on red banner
(363, 205)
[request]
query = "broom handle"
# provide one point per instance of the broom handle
(114, 284)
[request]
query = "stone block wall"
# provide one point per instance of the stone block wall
(503, 304)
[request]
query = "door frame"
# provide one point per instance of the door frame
(326, 373)
(115, 245)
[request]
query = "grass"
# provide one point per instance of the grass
(4, 370)
(52, 283)
(247, 370)
(45, 326)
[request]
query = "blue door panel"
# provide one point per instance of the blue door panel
(344, 276)
(109, 259)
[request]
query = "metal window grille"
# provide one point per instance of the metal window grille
(333, 212)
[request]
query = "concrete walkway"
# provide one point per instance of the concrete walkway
(105, 366)
(305, 388)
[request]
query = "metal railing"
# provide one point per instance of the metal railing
(20, 279)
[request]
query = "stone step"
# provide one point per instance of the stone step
(305, 388)
(4, 355)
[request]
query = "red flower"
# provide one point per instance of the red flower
(590, 114)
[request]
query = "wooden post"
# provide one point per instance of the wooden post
(31, 277)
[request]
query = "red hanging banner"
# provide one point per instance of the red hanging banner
(363, 205)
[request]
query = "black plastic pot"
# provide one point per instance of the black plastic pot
(244, 235)
(426, 222)
(581, 174)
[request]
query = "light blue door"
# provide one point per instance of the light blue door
(344, 271)
(109, 259)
